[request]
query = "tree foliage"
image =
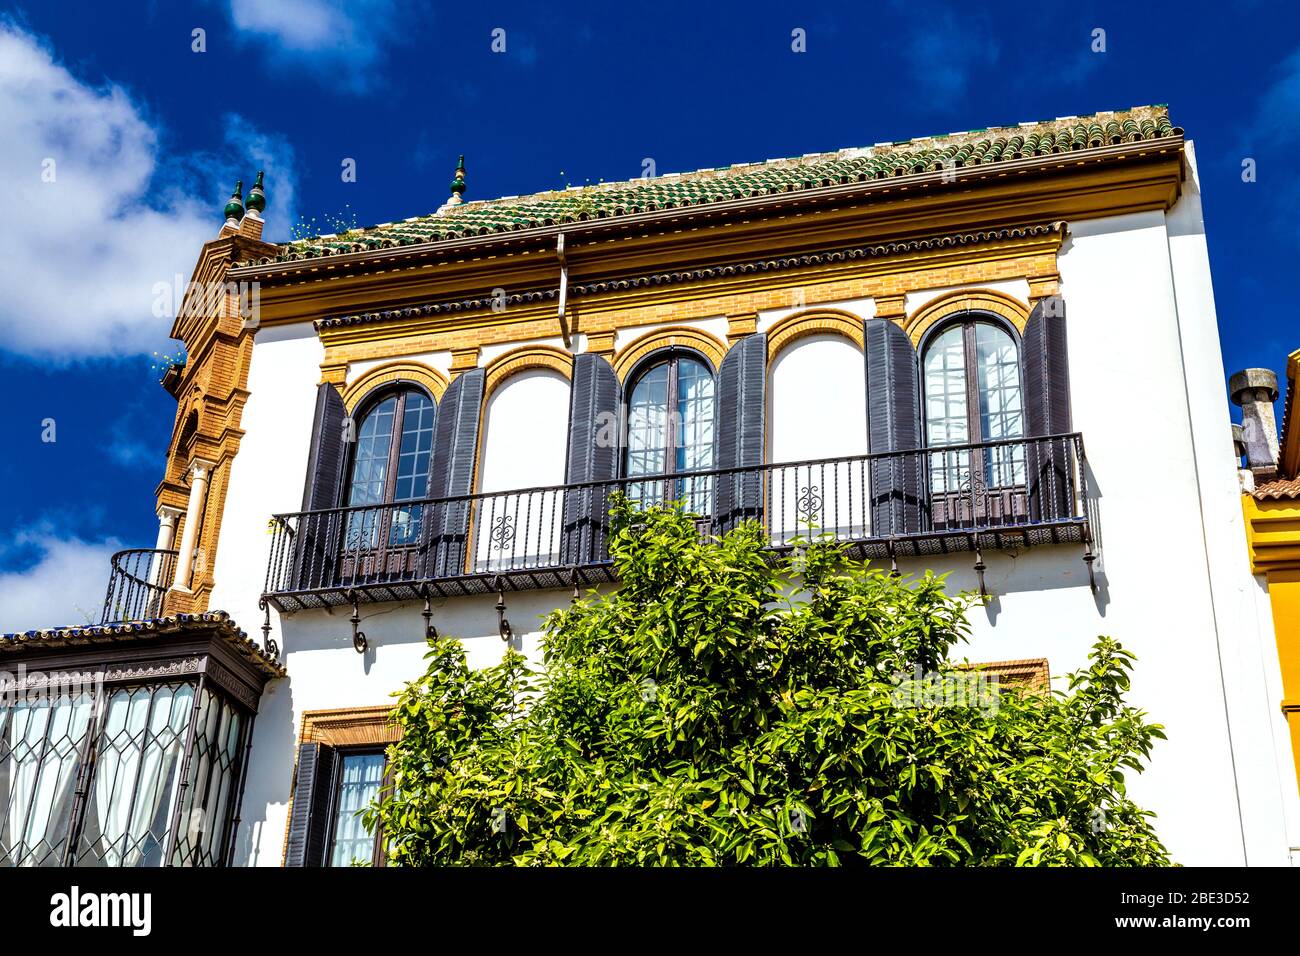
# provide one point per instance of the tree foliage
(719, 709)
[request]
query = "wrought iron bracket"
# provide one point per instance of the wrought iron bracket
(893, 557)
(430, 632)
(503, 623)
(268, 645)
(573, 580)
(359, 642)
(980, 567)
(1089, 557)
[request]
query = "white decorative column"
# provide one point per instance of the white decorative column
(199, 472)
(167, 518)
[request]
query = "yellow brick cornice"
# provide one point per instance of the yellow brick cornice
(933, 265)
(1272, 534)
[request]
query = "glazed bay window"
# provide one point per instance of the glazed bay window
(132, 761)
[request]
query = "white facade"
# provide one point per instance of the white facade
(1175, 588)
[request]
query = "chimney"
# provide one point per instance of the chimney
(1255, 390)
(1244, 475)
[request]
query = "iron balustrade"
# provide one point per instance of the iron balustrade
(988, 495)
(137, 584)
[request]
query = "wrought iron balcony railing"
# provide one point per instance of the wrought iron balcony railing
(139, 580)
(990, 495)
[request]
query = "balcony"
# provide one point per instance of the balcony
(957, 498)
(137, 584)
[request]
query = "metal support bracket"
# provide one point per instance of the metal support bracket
(268, 645)
(359, 642)
(430, 632)
(1089, 557)
(573, 579)
(893, 557)
(979, 563)
(503, 623)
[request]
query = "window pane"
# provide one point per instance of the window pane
(694, 452)
(359, 780)
(137, 770)
(40, 740)
(1001, 414)
(945, 409)
(202, 838)
(412, 468)
(370, 474)
(647, 423)
(370, 467)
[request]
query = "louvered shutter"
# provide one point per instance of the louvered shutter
(318, 535)
(741, 409)
(893, 425)
(593, 455)
(1047, 411)
(313, 801)
(451, 472)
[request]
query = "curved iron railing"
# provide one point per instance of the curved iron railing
(139, 580)
(1011, 493)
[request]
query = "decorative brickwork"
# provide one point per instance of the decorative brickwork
(528, 356)
(813, 322)
(679, 336)
(964, 300)
(433, 381)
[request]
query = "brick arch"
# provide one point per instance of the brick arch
(813, 322)
(674, 336)
(433, 381)
(520, 359)
(966, 300)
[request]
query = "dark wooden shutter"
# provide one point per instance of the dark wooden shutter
(451, 472)
(317, 535)
(893, 425)
(593, 455)
(1047, 410)
(740, 421)
(325, 460)
(313, 803)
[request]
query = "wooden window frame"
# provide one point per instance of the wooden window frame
(344, 730)
(401, 392)
(377, 856)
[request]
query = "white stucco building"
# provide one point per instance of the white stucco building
(409, 424)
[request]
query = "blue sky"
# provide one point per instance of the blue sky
(148, 136)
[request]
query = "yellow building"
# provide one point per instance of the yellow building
(1272, 507)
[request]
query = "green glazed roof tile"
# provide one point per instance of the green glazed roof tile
(674, 190)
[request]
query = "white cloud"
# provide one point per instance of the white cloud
(1277, 108)
(81, 253)
(64, 587)
(948, 54)
(338, 39)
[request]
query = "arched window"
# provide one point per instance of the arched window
(390, 463)
(670, 419)
(972, 395)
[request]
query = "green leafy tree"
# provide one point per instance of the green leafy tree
(722, 709)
